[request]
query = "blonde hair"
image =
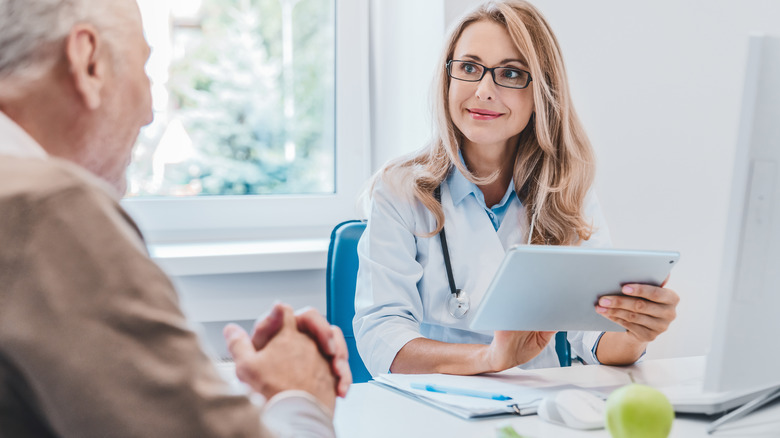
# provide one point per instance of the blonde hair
(554, 166)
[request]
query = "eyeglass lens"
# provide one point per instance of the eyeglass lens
(504, 76)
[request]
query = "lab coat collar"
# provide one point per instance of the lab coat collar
(460, 188)
(16, 141)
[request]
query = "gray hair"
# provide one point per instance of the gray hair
(32, 32)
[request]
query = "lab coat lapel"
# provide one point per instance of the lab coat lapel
(513, 227)
(475, 248)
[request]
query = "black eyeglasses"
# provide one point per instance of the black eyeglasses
(469, 71)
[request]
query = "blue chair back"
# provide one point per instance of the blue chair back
(341, 277)
(563, 348)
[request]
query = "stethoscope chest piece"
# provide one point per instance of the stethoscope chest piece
(458, 304)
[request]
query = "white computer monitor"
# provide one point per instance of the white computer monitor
(745, 352)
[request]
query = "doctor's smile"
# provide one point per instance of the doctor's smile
(482, 114)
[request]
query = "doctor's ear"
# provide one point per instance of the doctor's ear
(88, 62)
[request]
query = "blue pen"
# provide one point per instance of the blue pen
(459, 391)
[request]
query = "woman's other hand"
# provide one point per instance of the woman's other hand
(645, 311)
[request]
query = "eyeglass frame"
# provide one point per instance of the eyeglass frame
(492, 71)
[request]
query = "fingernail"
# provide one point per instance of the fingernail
(605, 301)
(230, 332)
(331, 346)
(601, 309)
(628, 290)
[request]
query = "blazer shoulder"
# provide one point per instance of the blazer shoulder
(32, 179)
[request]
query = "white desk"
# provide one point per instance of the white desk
(372, 411)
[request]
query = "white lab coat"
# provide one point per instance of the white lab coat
(402, 287)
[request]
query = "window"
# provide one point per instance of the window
(261, 118)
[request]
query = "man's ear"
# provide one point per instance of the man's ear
(87, 62)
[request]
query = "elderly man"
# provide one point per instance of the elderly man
(92, 341)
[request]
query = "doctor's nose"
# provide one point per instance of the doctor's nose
(486, 88)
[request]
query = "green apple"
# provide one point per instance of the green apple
(639, 411)
(508, 432)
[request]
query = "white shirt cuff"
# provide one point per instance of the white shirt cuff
(595, 359)
(590, 342)
(298, 414)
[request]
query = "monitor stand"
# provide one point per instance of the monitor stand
(745, 409)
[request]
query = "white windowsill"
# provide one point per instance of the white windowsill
(179, 259)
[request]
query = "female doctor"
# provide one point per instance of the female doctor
(510, 164)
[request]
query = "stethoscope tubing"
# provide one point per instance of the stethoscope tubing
(445, 249)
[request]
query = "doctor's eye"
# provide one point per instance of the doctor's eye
(469, 68)
(512, 77)
(466, 70)
(511, 73)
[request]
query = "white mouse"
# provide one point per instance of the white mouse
(575, 408)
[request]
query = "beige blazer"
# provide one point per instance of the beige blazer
(92, 340)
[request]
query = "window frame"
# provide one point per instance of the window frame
(171, 219)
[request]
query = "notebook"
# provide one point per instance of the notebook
(524, 399)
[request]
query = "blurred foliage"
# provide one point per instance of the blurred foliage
(226, 88)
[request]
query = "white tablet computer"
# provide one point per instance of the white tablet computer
(557, 287)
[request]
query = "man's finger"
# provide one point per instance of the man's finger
(341, 363)
(238, 342)
(288, 317)
(267, 326)
(341, 349)
(343, 375)
(312, 323)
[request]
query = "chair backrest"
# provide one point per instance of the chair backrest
(563, 348)
(341, 277)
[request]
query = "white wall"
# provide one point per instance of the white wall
(226, 297)
(658, 86)
(405, 39)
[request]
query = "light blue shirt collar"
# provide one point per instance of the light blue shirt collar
(460, 187)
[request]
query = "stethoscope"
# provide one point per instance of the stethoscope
(458, 303)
